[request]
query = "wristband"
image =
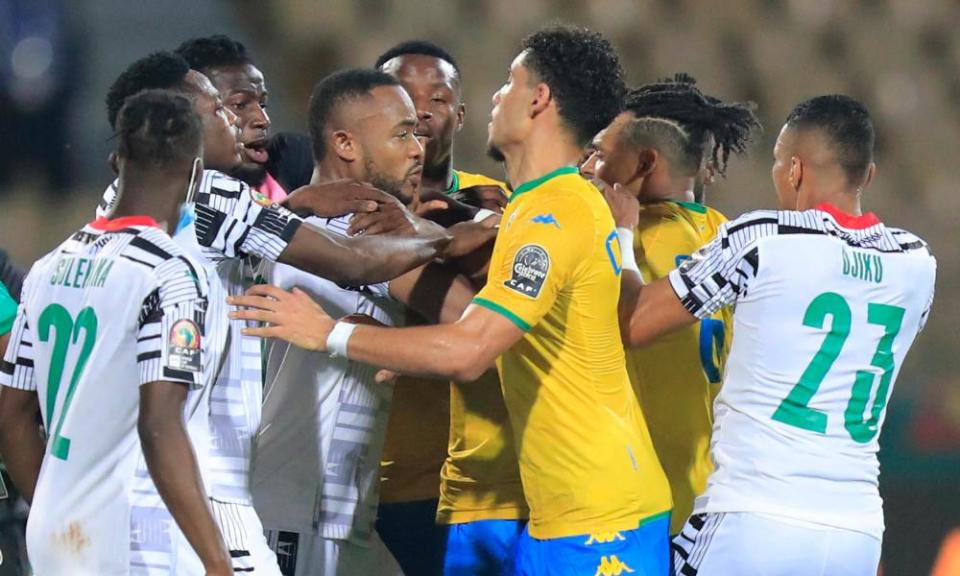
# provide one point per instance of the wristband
(628, 260)
(338, 338)
(483, 214)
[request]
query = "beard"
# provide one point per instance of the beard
(384, 182)
(250, 173)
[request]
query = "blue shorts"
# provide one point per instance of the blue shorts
(644, 551)
(482, 547)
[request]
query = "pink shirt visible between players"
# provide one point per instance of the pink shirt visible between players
(272, 189)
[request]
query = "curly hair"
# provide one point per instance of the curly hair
(421, 47)
(213, 51)
(332, 91)
(158, 127)
(160, 70)
(584, 74)
(846, 123)
(679, 99)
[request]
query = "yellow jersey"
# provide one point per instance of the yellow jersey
(677, 377)
(586, 458)
(480, 480)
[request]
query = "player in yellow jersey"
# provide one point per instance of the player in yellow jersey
(666, 164)
(475, 525)
(599, 501)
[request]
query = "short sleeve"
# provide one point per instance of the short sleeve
(16, 370)
(171, 344)
(8, 310)
(537, 253)
(235, 220)
(719, 273)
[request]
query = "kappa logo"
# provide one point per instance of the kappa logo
(530, 268)
(604, 538)
(612, 566)
(546, 219)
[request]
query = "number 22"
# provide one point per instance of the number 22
(67, 331)
(794, 409)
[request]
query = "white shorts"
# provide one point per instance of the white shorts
(245, 539)
(310, 554)
(744, 544)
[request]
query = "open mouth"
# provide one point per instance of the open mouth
(256, 151)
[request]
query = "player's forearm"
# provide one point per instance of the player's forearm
(21, 447)
(656, 312)
(173, 467)
(442, 352)
(361, 260)
(631, 285)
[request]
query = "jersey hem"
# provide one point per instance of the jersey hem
(562, 530)
(827, 521)
(467, 516)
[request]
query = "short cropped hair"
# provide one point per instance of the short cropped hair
(421, 47)
(213, 51)
(160, 70)
(333, 91)
(847, 125)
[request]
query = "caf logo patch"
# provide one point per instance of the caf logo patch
(261, 199)
(183, 352)
(530, 268)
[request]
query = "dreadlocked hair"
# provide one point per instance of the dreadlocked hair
(731, 124)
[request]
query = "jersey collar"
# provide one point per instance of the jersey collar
(112, 225)
(528, 186)
(866, 220)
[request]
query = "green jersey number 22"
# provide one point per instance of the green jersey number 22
(794, 409)
(66, 333)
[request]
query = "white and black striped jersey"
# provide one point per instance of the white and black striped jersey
(316, 465)
(116, 306)
(827, 306)
(235, 226)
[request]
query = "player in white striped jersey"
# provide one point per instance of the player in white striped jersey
(317, 457)
(235, 227)
(828, 302)
(118, 332)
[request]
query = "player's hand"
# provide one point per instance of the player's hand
(392, 218)
(332, 199)
(488, 196)
(469, 237)
(290, 316)
(624, 205)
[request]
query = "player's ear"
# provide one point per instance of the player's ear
(871, 172)
(541, 99)
(796, 172)
(647, 161)
(114, 164)
(461, 112)
(344, 145)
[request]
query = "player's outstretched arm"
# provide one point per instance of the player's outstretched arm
(646, 312)
(21, 445)
(173, 467)
(461, 351)
(364, 259)
(435, 291)
(649, 312)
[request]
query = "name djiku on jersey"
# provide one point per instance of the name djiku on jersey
(863, 266)
(82, 272)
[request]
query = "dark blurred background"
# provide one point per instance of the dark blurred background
(901, 57)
